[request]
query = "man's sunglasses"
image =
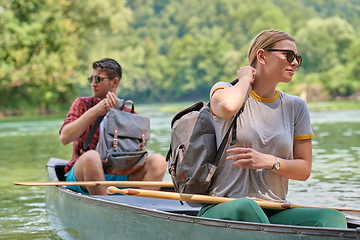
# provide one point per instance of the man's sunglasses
(97, 79)
(290, 55)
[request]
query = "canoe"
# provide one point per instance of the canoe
(77, 216)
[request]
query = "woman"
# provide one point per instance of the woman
(273, 139)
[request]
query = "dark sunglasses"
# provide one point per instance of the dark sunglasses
(97, 79)
(290, 55)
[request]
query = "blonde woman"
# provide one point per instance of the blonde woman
(273, 139)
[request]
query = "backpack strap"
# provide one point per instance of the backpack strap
(233, 126)
(232, 129)
(132, 105)
(234, 82)
(91, 133)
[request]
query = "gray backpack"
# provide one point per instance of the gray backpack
(122, 140)
(193, 155)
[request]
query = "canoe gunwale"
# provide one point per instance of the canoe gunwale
(178, 216)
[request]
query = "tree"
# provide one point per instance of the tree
(196, 63)
(169, 49)
(41, 44)
(36, 61)
(323, 44)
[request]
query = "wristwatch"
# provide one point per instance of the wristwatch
(276, 165)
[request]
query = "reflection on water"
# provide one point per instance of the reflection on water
(335, 178)
(27, 144)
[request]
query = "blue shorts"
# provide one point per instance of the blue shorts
(70, 177)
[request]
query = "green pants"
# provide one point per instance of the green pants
(244, 209)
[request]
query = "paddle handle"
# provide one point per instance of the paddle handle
(168, 195)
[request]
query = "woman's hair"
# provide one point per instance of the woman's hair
(265, 39)
(110, 66)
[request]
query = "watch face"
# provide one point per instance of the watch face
(277, 165)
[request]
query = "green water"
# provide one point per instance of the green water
(26, 144)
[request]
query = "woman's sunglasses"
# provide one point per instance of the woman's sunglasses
(97, 79)
(290, 55)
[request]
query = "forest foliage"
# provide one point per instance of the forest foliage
(169, 49)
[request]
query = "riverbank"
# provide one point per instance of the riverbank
(334, 105)
(313, 106)
(178, 106)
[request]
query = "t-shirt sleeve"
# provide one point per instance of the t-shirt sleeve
(219, 85)
(302, 125)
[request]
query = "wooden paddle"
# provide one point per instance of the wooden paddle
(214, 199)
(100, 183)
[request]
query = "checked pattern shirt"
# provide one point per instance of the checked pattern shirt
(77, 109)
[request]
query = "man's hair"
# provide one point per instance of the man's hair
(110, 66)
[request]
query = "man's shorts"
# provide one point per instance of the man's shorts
(70, 177)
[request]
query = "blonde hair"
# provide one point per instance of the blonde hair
(265, 39)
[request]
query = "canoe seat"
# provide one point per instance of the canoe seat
(60, 172)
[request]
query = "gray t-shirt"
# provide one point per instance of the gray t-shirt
(267, 125)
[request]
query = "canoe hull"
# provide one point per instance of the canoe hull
(77, 216)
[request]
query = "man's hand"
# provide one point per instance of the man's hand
(101, 108)
(111, 99)
(104, 105)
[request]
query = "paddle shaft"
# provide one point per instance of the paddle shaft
(206, 198)
(100, 183)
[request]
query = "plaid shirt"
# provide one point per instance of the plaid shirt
(78, 108)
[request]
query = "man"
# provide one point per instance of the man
(87, 166)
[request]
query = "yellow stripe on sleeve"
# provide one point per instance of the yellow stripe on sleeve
(212, 93)
(303, 137)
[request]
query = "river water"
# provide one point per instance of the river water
(26, 144)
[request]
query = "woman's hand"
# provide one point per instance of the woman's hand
(226, 102)
(246, 73)
(249, 158)
(298, 168)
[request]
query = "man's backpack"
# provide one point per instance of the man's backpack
(122, 140)
(193, 156)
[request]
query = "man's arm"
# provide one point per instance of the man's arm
(73, 130)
